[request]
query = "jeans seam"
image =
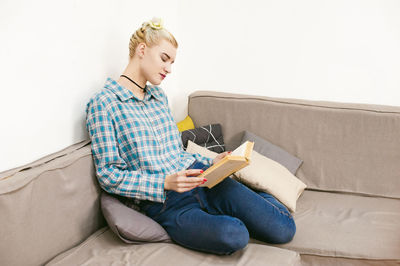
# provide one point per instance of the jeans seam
(163, 208)
(197, 196)
(282, 212)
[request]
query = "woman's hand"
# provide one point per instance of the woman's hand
(184, 180)
(221, 156)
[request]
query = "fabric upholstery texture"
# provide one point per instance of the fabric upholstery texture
(344, 147)
(104, 248)
(209, 136)
(36, 163)
(130, 225)
(266, 148)
(309, 260)
(347, 226)
(267, 175)
(51, 206)
(361, 236)
(185, 124)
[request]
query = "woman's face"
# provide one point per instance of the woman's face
(157, 61)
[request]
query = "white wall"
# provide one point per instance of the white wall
(335, 50)
(56, 54)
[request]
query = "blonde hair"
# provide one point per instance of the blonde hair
(151, 33)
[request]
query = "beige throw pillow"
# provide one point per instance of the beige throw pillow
(266, 175)
(194, 148)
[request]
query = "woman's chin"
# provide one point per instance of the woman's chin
(156, 82)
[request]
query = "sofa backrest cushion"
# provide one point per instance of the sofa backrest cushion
(344, 147)
(48, 206)
(271, 151)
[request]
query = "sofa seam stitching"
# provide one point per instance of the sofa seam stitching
(300, 104)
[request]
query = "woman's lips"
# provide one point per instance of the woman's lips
(162, 76)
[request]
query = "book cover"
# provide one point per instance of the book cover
(238, 159)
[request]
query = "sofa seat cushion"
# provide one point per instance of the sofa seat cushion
(348, 226)
(104, 248)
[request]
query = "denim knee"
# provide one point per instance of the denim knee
(232, 237)
(287, 233)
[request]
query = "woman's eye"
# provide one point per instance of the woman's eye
(163, 59)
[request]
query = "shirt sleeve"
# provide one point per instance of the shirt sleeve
(111, 169)
(204, 160)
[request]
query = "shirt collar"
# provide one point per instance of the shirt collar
(124, 94)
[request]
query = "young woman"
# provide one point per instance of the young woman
(138, 155)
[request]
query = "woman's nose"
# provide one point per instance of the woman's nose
(167, 68)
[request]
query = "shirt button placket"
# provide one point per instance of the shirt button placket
(149, 120)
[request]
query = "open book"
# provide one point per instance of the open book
(230, 164)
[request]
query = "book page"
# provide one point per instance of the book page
(241, 150)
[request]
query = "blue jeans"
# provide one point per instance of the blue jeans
(220, 220)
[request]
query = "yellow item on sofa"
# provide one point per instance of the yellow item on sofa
(185, 124)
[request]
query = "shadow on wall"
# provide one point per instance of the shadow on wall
(79, 130)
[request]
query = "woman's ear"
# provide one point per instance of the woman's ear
(140, 49)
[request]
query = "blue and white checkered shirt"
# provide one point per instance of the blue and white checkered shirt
(135, 143)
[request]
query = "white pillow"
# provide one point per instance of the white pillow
(267, 175)
(194, 148)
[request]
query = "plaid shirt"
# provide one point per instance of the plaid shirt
(135, 143)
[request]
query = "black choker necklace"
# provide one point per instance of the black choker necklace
(143, 89)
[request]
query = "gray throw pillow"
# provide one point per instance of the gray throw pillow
(129, 225)
(273, 152)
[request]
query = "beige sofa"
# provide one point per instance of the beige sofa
(349, 214)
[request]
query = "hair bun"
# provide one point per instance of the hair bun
(151, 33)
(156, 23)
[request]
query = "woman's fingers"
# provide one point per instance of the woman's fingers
(221, 156)
(189, 185)
(184, 180)
(193, 172)
(226, 153)
(189, 172)
(183, 187)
